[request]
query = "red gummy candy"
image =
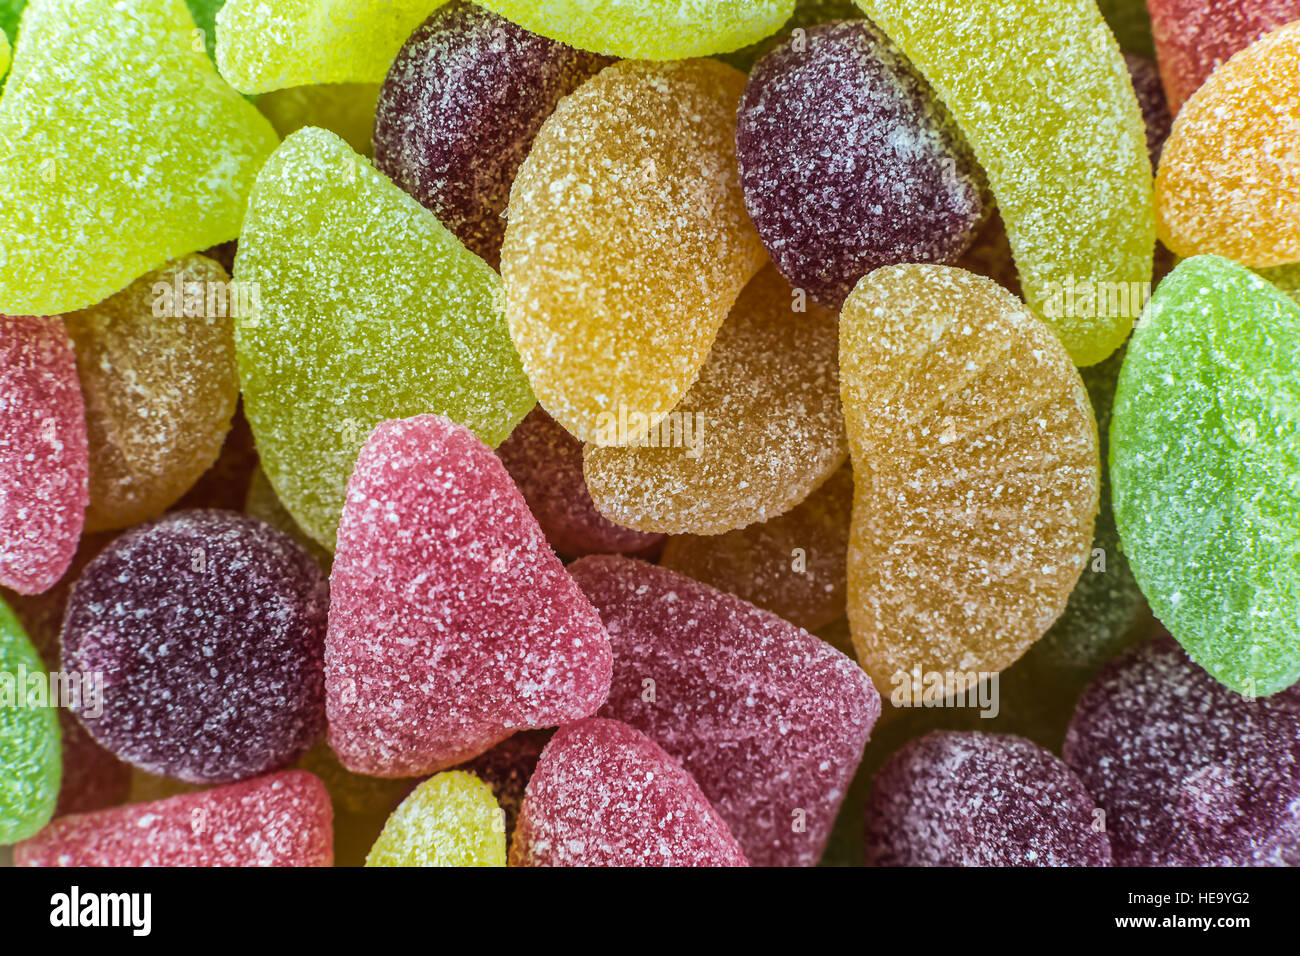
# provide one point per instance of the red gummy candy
(452, 624)
(769, 720)
(283, 819)
(44, 463)
(604, 794)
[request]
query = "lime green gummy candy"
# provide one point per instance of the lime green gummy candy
(120, 149)
(369, 310)
(1205, 470)
(452, 819)
(4, 57)
(649, 29)
(29, 736)
(265, 45)
(1042, 93)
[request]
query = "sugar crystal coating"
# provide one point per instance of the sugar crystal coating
(452, 624)
(605, 794)
(29, 736)
(627, 244)
(1205, 461)
(507, 768)
(976, 799)
(370, 310)
(125, 150)
(282, 819)
(44, 461)
(459, 111)
(347, 109)
(205, 629)
(807, 13)
(452, 819)
(769, 720)
(976, 468)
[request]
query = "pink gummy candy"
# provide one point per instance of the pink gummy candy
(44, 463)
(605, 794)
(769, 720)
(452, 624)
(283, 819)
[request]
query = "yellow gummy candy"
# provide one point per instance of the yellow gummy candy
(452, 819)
(4, 56)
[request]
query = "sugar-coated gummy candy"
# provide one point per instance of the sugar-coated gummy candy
(370, 310)
(976, 467)
(1195, 37)
(545, 461)
(1153, 103)
(264, 504)
(158, 375)
(452, 624)
(1205, 459)
(848, 161)
(265, 45)
(125, 150)
(460, 108)
(627, 244)
(758, 432)
(605, 794)
(1041, 92)
(769, 720)
(347, 109)
(507, 768)
(1189, 772)
(1229, 181)
(978, 799)
(44, 462)
(452, 819)
(792, 565)
(207, 628)
(282, 819)
(29, 736)
(807, 13)
(649, 29)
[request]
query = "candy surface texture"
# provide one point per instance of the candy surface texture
(451, 819)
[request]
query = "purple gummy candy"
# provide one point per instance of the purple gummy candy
(1189, 772)
(459, 111)
(770, 720)
(1153, 103)
(978, 799)
(208, 628)
(849, 162)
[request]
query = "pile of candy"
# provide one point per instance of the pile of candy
(633, 432)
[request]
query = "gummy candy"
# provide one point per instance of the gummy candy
(758, 432)
(976, 799)
(370, 310)
(1204, 457)
(125, 150)
(806, 13)
(1229, 183)
(43, 456)
(451, 819)
(1188, 772)
(769, 720)
(346, 109)
(29, 736)
(649, 29)
(976, 465)
(605, 794)
(278, 820)
(1152, 101)
(793, 565)
(627, 244)
(206, 628)
(507, 768)
(265, 45)
(263, 504)
(452, 624)
(1040, 91)
(1194, 37)
(849, 163)
(460, 109)
(545, 461)
(158, 374)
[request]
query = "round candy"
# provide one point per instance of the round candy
(208, 630)
(1188, 772)
(452, 819)
(976, 799)
(849, 162)
(29, 736)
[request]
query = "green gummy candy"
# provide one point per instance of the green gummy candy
(11, 12)
(452, 819)
(4, 57)
(121, 149)
(1205, 468)
(29, 736)
(265, 45)
(369, 310)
